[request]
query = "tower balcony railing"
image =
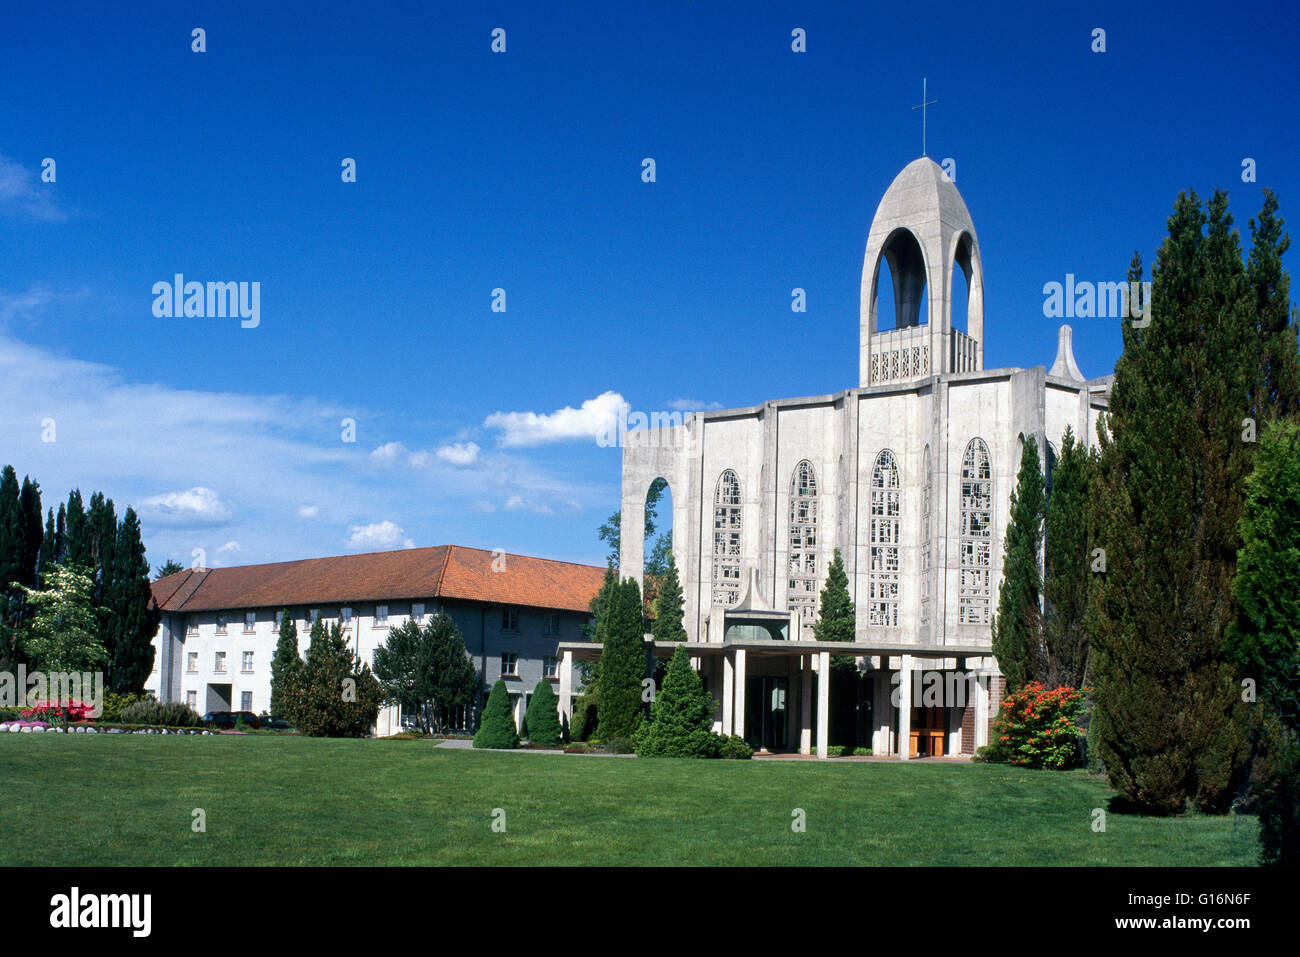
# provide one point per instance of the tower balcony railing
(900, 354)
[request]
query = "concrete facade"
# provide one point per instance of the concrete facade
(909, 475)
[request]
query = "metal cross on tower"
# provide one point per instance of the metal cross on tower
(924, 103)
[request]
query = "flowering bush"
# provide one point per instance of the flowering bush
(1040, 728)
(52, 711)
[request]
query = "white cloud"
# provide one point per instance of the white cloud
(388, 453)
(23, 195)
(308, 511)
(228, 547)
(459, 453)
(517, 503)
(192, 507)
(691, 405)
(378, 537)
(596, 415)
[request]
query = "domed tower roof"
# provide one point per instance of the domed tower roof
(923, 229)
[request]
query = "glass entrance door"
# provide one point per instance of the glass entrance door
(765, 712)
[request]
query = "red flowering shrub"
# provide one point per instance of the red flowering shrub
(1040, 728)
(52, 711)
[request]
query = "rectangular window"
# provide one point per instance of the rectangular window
(221, 622)
(509, 619)
(417, 613)
(346, 615)
(279, 620)
(315, 615)
(552, 622)
(509, 663)
(245, 701)
(192, 662)
(192, 698)
(219, 663)
(250, 621)
(192, 624)
(381, 614)
(246, 662)
(550, 667)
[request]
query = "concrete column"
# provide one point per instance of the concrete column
(728, 692)
(566, 688)
(738, 720)
(905, 708)
(823, 704)
(982, 711)
(805, 704)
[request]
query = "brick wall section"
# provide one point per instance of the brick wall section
(968, 728)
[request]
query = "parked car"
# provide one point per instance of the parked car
(273, 722)
(228, 719)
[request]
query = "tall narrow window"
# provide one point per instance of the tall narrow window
(974, 589)
(726, 539)
(886, 509)
(803, 543)
(926, 488)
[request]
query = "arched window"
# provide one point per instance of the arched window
(926, 487)
(885, 519)
(726, 539)
(803, 542)
(975, 589)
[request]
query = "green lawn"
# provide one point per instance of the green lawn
(290, 800)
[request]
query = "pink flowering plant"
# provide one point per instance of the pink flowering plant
(1039, 728)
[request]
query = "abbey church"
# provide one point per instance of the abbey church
(909, 474)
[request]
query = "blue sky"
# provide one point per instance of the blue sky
(522, 171)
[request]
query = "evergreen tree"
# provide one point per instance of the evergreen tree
(338, 697)
(29, 506)
(286, 669)
(668, 606)
(170, 567)
(543, 716)
(1264, 641)
(837, 618)
(49, 544)
(11, 560)
(76, 540)
(681, 724)
(1018, 627)
(426, 670)
(497, 727)
(455, 680)
(1067, 576)
(1216, 351)
(132, 622)
(622, 663)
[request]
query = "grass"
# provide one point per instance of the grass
(80, 800)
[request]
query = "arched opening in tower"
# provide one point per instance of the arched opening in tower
(959, 285)
(900, 294)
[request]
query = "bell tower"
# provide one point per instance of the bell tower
(924, 232)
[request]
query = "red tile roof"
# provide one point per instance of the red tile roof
(443, 571)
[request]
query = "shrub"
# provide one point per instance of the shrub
(681, 722)
(10, 714)
(172, 714)
(734, 747)
(52, 712)
(1277, 785)
(114, 704)
(585, 718)
(543, 717)
(618, 745)
(862, 752)
(497, 728)
(1040, 728)
(577, 747)
(990, 754)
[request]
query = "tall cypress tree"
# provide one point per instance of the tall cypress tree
(131, 621)
(29, 505)
(1018, 627)
(668, 606)
(49, 544)
(286, 669)
(836, 618)
(1067, 575)
(11, 561)
(76, 542)
(1215, 357)
(622, 663)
